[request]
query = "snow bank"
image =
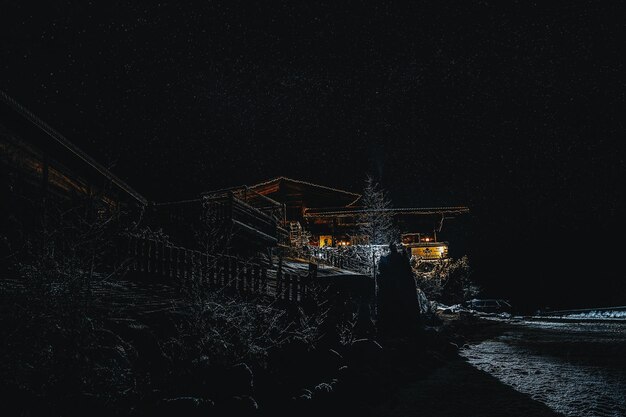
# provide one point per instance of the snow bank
(604, 314)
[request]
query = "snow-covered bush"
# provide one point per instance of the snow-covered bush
(446, 280)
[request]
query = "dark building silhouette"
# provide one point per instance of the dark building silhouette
(37, 161)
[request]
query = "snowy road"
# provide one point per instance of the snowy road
(576, 369)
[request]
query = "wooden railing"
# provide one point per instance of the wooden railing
(338, 258)
(152, 259)
(228, 208)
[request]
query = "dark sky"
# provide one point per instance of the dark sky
(514, 110)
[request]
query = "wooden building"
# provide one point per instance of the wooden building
(39, 162)
(331, 216)
(229, 220)
(297, 196)
(51, 191)
(419, 227)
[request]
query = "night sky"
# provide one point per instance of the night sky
(515, 111)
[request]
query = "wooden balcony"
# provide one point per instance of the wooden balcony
(247, 222)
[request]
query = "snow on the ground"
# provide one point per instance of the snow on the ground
(458, 308)
(571, 367)
(603, 314)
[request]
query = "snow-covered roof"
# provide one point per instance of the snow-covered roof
(355, 210)
(276, 181)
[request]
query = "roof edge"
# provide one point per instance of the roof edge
(63, 141)
(307, 183)
(332, 211)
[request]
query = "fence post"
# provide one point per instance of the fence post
(156, 255)
(164, 248)
(145, 248)
(128, 254)
(188, 266)
(256, 278)
(183, 266)
(193, 268)
(204, 273)
(176, 267)
(295, 287)
(231, 198)
(279, 278)
(215, 267)
(138, 260)
(221, 270)
(284, 286)
(172, 262)
(218, 271)
(168, 262)
(151, 249)
(165, 260)
(227, 271)
(241, 277)
(197, 277)
(132, 251)
(304, 283)
(209, 271)
(180, 263)
(264, 280)
(248, 279)
(288, 286)
(234, 274)
(184, 272)
(144, 257)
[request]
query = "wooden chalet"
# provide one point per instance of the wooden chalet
(39, 162)
(297, 196)
(331, 216)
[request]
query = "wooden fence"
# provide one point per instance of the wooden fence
(152, 259)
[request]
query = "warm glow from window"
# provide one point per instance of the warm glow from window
(326, 240)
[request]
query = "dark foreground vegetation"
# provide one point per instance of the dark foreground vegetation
(164, 353)
(79, 342)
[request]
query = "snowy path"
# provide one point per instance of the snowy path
(577, 369)
(458, 389)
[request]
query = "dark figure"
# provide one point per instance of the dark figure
(398, 308)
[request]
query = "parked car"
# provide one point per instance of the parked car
(490, 305)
